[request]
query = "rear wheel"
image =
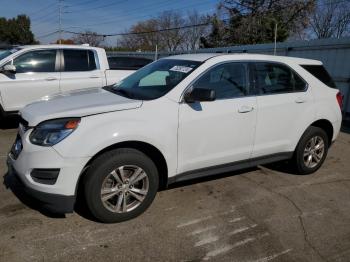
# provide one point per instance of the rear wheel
(311, 151)
(120, 185)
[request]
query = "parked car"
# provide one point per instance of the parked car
(30, 73)
(127, 62)
(179, 118)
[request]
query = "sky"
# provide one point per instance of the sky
(101, 16)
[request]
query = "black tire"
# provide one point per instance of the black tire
(102, 167)
(298, 158)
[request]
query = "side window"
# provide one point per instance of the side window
(229, 80)
(127, 63)
(36, 61)
(276, 78)
(78, 60)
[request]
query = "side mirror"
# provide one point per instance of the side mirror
(200, 95)
(9, 69)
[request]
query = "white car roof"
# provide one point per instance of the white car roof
(252, 57)
(58, 46)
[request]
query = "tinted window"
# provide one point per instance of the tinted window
(79, 60)
(321, 74)
(127, 63)
(228, 80)
(276, 78)
(36, 61)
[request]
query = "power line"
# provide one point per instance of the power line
(40, 10)
(141, 33)
(142, 8)
(48, 34)
(101, 6)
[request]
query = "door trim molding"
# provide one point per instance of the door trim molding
(214, 170)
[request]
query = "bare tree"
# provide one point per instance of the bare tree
(170, 31)
(142, 35)
(194, 34)
(171, 38)
(88, 37)
(331, 19)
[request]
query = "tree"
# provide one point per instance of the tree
(193, 35)
(65, 41)
(147, 34)
(16, 31)
(137, 39)
(88, 37)
(331, 19)
(253, 21)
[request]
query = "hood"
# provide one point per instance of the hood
(77, 104)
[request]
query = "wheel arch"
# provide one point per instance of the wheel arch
(151, 151)
(327, 126)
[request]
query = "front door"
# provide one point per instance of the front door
(222, 131)
(36, 77)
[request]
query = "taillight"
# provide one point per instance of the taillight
(340, 100)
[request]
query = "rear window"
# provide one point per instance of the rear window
(79, 60)
(127, 63)
(321, 74)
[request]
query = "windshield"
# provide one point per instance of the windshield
(154, 80)
(6, 52)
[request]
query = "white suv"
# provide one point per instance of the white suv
(178, 118)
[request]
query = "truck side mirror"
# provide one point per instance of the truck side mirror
(11, 69)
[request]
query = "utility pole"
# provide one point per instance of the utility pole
(156, 54)
(59, 21)
(274, 50)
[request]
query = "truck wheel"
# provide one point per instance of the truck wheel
(311, 151)
(120, 185)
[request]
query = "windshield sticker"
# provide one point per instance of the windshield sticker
(182, 69)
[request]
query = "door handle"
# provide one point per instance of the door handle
(94, 76)
(300, 100)
(245, 109)
(51, 78)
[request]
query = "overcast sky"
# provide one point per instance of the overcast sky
(102, 16)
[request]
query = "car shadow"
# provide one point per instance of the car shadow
(12, 182)
(10, 122)
(345, 127)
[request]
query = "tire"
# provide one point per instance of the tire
(301, 159)
(113, 172)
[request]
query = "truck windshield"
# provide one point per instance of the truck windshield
(6, 52)
(154, 80)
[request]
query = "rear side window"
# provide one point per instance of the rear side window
(320, 73)
(273, 78)
(79, 60)
(127, 63)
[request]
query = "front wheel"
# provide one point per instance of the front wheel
(311, 151)
(120, 185)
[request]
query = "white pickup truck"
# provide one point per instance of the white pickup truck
(31, 73)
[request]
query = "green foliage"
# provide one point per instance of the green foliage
(254, 21)
(16, 31)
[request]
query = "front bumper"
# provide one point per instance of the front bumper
(58, 196)
(52, 202)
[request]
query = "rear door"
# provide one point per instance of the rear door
(80, 69)
(284, 108)
(36, 76)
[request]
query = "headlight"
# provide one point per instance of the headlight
(51, 132)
